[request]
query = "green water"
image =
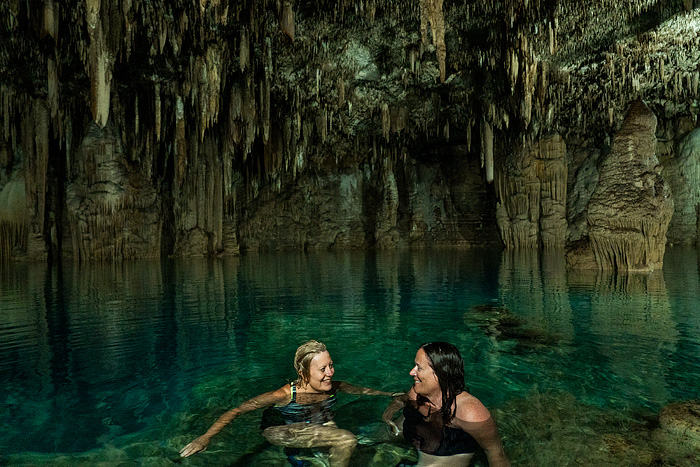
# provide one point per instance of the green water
(124, 364)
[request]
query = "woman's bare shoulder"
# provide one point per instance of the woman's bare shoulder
(470, 409)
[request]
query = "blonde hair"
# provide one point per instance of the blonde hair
(302, 359)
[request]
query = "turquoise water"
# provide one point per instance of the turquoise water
(124, 364)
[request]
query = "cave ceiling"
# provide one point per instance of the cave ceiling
(278, 84)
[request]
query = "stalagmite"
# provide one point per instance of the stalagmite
(631, 207)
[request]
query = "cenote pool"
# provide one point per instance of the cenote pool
(124, 364)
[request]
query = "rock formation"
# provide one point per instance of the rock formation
(531, 193)
(683, 174)
(631, 207)
(246, 119)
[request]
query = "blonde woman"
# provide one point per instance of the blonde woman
(299, 414)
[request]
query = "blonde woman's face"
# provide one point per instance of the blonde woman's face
(321, 372)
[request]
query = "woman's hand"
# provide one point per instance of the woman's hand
(393, 427)
(198, 445)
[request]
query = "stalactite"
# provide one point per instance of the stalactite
(386, 121)
(100, 63)
(157, 111)
(341, 92)
(51, 17)
(234, 113)
(101, 78)
(52, 86)
(470, 124)
(136, 114)
(249, 117)
(432, 15)
(512, 69)
(5, 98)
(208, 70)
(180, 142)
(265, 91)
(322, 125)
(487, 149)
(244, 50)
(552, 39)
(287, 19)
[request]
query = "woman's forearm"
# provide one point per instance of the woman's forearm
(497, 458)
(222, 421)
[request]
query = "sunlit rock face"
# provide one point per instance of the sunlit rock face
(631, 207)
(287, 124)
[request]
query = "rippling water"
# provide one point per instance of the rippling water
(123, 364)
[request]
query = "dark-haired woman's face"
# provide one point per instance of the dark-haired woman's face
(425, 380)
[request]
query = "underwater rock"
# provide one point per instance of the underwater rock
(682, 420)
(502, 324)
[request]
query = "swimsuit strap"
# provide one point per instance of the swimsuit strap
(294, 391)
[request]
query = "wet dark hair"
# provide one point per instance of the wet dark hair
(447, 363)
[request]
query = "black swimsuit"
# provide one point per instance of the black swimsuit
(429, 434)
(294, 412)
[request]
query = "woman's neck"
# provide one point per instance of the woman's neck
(434, 399)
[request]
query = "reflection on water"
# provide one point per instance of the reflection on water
(126, 363)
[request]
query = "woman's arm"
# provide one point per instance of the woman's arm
(397, 403)
(474, 418)
(350, 389)
(281, 395)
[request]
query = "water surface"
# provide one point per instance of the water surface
(123, 364)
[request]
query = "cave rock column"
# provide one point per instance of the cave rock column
(683, 174)
(531, 192)
(630, 209)
(112, 207)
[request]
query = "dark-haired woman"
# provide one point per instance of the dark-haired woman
(440, 418)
